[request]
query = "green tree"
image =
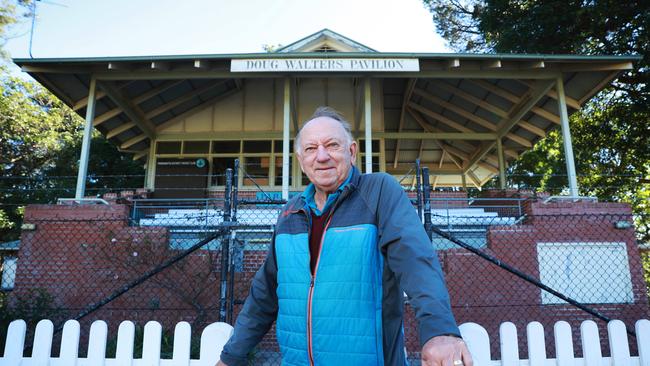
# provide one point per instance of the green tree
(40, 142)
(610, 133)
(35, 126)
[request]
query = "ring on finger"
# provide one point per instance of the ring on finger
(458, 363)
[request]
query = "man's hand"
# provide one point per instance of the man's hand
(446, 351)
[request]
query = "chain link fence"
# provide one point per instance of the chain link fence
(193, 260)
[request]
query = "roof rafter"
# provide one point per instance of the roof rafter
(197, 109)
(528, 101)
(490, 107)
(141, 154)
(456, 109)
(515, 99)
(470, 116)
(450, 150)
(439, 117)
(480, 136)
(182, 99)
(119, 129)
(599, 86)
(470, 98)
(129, 109)
(553, 94)
(98, 95)
(474, 179)
(132, 141)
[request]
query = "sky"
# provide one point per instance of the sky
(78, 28)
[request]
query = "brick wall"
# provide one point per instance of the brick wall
(81, 254)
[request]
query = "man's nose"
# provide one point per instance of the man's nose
(322, 154)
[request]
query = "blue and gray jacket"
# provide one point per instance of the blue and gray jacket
(350, 311)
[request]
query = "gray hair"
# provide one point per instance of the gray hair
(325, 111)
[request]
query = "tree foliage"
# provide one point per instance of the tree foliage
(40, 141)
(611, 132)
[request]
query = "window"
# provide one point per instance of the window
(225, 147)
(278, 171)
(8, 272)
(278, 146)
(257, 147)
(196, 147)
(375, 164)
(258, 171)
(168, 147)
(260, 159)
(592, 273)
(374, 145)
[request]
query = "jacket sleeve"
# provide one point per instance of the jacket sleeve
(258, 314)
(411, 257)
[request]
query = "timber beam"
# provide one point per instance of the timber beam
(528, 101)
(480, 136)
(119, 129)
(129, 109)
(100, 94)
(182, 99)
(456, 155)
(516, 99)
(132, 141)
(208, 103)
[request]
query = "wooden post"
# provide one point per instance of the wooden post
(566, 138)
(502, 164)
(368, 125)
(286, 140)
(85, 145)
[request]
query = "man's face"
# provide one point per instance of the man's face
(325, 155)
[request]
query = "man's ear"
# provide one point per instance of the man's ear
(300, 162)
(353, 151)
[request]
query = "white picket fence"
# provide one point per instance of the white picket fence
(215, 336)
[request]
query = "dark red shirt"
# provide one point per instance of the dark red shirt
(315, 235)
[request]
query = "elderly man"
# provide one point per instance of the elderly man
(341, 255)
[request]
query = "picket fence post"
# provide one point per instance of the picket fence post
(509, 344)
(642, 328)
(592, 353)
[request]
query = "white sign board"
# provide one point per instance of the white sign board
(325, 65)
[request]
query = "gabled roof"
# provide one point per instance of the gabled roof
(325, 40)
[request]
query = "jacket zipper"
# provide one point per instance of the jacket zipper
(311, 294)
